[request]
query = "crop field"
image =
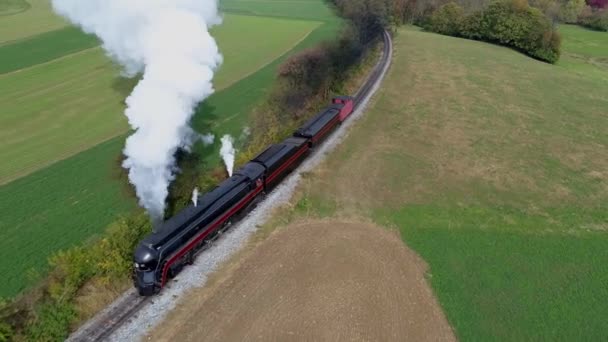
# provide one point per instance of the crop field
(249, 43)
(25, 18)
(300, 9)
(56, 109)
(44, 47)
(320, 280)
(61, 102)
(494, 168)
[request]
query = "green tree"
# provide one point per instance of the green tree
(447, 20)
(571, 10)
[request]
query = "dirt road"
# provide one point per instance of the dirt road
(315, 281)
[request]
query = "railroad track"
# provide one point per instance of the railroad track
(124, 309)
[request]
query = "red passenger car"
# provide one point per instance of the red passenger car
(347, 110)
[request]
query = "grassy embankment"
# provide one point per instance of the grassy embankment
(494, 167)
(64, 202)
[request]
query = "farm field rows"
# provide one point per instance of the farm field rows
(73, 199)
(493, 167)
(26, 18)
(55, 109)
(320, 280)
(295, 9)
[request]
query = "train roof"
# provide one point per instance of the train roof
(251, 170)
(188, 215)
(343, 97)
(274, 154)
(313, 126)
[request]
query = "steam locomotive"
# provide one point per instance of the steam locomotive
(162, 254)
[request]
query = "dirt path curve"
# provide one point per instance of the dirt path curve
(318, 281)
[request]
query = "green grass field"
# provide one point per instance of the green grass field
(56, 109)
(248, 53)
(75, 198)
(10, 7)
(494, 167)
(43, 48)
(300, 9)
(26, 18)
(585, 51)
(52, 111)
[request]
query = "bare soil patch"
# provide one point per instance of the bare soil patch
(315, 281)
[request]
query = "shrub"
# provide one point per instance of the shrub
(303, 76)
(598, 3)
(448, 20)
(46, 313)
(571, 10)
(6, 332)
(598, 20)
(510, 23)
(368, 17)
(52, 322)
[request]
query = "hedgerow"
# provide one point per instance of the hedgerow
(510, 23)
(306, 81)
(46, 313)
(598, 20)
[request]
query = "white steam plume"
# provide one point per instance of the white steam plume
(207, 139)
(227, 153)
(195, 197)
(169, 42)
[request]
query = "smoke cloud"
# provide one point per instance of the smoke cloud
(169, 42)
(227, 152)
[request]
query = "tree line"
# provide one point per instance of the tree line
(529, 26)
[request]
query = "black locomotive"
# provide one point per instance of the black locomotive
(161, 255)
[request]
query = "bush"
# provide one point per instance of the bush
(47, 312)
(368, 17)
(6, 332)
(598, 20)
(598, 3)
(306, 80)
(446, 20)
(571, 10)
(52, 322)
(510, 23)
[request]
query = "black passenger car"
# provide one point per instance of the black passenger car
(317, 128)
(280, 159)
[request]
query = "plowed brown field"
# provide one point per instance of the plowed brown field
(315, 281)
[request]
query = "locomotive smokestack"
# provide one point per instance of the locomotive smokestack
(168, 43)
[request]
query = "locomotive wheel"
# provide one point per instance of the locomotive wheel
(190, 258)
(225, 227)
